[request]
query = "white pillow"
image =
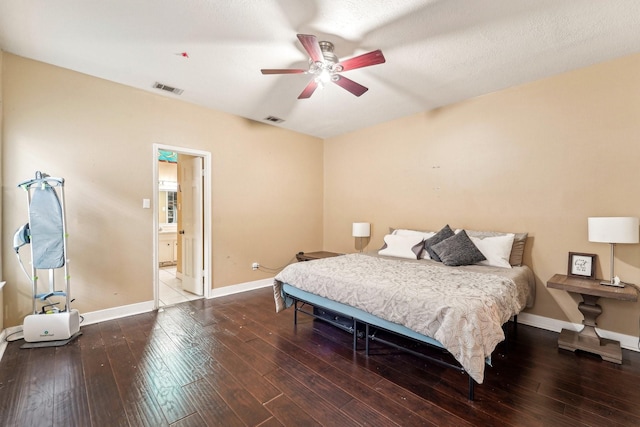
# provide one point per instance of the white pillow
(402, 246)
(425, 235)
(495, 249)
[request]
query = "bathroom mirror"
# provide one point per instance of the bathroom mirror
(168, 207)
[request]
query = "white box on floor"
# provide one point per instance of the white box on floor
(51, 327)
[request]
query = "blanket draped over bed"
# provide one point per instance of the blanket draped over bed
(462, 308)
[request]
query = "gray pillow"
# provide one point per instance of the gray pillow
(458, 250)
(441, 235)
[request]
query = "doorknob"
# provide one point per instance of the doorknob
(181, 232)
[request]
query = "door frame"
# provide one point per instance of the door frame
(206, 217)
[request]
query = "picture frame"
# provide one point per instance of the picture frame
(582, 265)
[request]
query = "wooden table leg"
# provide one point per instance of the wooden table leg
(590, 311)
(588, 339)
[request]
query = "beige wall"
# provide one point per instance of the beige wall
(538, 158)
(1, 174)
(1, 210)
(266, 182)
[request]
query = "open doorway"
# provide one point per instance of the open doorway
(182, 246)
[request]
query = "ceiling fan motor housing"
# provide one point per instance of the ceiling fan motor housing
(327, 52)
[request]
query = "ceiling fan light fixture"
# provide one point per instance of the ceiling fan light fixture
(325, 76)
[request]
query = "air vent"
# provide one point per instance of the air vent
(274, 119)
(173, 90)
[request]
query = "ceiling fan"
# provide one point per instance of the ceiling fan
(325, 67)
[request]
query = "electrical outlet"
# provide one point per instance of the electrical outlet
(255, 266)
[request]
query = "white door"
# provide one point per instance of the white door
(191, 233)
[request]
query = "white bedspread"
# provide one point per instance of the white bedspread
(461, 307)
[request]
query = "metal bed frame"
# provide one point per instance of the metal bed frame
(370, 335)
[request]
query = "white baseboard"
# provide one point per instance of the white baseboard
(147, 306)
(9, 333)
(628, 342)
(242, 287)
(92, 317)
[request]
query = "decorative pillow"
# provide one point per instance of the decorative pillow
(441, 235)
(402, 246)
(458, 250)
(517, 250)
(425, 235)
(496, 249)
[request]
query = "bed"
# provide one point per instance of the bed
(414, 293)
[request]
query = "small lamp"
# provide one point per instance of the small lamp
(614, 230)
(360, 230)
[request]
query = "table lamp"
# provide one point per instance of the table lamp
(614, 230)
(360, 230)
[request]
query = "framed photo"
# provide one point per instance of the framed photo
(582, 265)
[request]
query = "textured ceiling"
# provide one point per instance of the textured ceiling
(438, 52)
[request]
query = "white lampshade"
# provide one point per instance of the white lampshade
(614, 229)
(361, 229)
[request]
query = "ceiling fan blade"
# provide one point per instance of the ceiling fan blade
(308, 91)
(311, 45)
(282, 71)
(364, 60)
(355, 88)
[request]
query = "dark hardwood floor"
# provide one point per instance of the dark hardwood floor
(232, 361)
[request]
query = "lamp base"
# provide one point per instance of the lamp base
(609, 283)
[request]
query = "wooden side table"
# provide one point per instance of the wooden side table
(310, 256)
(588, 339)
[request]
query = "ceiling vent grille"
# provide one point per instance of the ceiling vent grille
(274, 119)
(173, 90)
